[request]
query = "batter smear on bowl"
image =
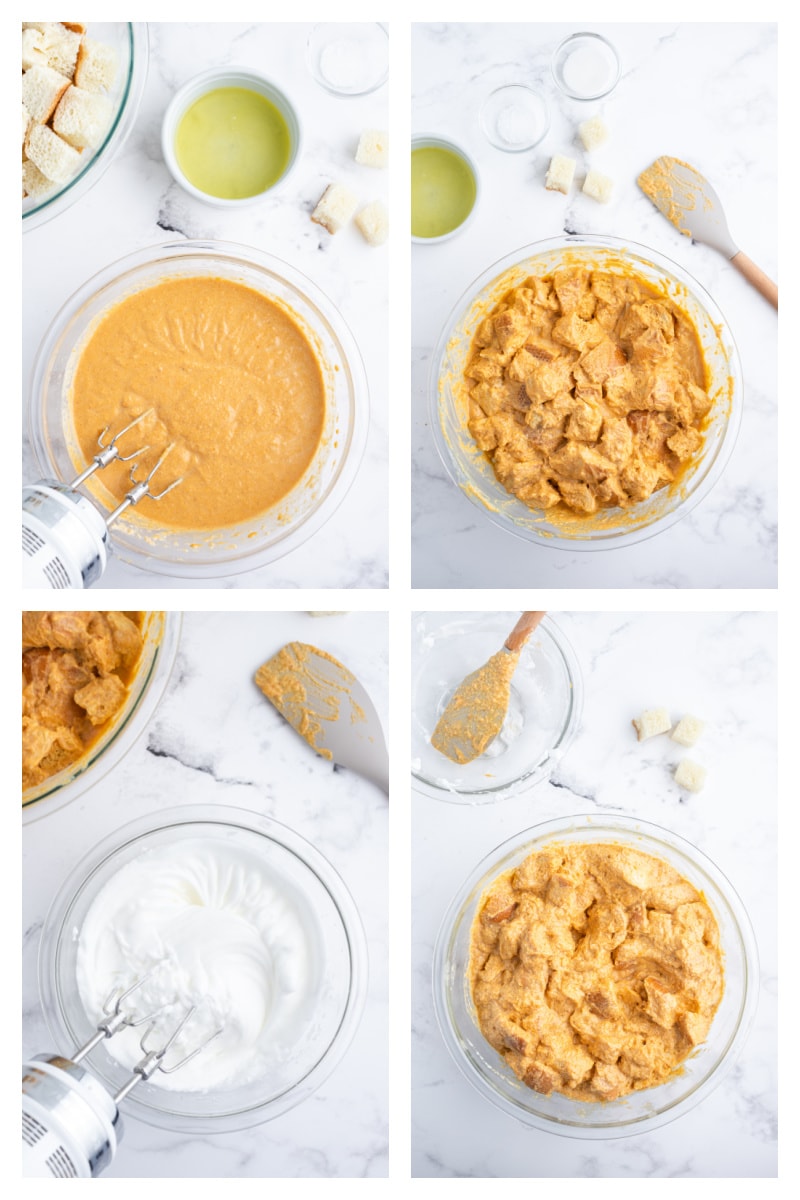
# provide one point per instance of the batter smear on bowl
(595, 970)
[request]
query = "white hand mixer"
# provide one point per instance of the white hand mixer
(71, 1126)
(64, 534)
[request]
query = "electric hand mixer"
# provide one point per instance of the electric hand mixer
(71, 1126)
(64, 535)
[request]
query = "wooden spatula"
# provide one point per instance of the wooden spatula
(689, 201)
(477, 709)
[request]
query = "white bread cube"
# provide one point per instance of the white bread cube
(373, 148)
(33, 52)
(593, 133)
(54, 158)
(34, 183)
(82, 118)
(651, 722)
(96, 66)
(335, 207)
(373, 221)
(61, 46)
(598, 186)
(688, 730)
(26, 122)
(560, 173)
(690, 775)
(42, 88)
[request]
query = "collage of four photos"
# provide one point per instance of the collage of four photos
(553, 954)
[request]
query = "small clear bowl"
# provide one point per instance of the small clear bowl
(640, 1111)
(339, 975)
(471, 470)
(349, 58)
(585, 66)
(209, 81)
(130, 40)
(202, 554)
(161, 638)
(515, 118)
(544, 710)
(422, 141)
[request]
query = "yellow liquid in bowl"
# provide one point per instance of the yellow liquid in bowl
(443, 191)
(233, 143)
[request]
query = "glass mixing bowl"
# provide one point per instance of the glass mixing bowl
(130, 41)
(137, 537)
(544, 709)
(471, 469)
(638, 1112)
(338, 973)
(161, 638)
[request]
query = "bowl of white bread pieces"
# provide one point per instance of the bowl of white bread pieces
(81, 89)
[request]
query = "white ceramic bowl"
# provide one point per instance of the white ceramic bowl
(420, 141)
(209, 81)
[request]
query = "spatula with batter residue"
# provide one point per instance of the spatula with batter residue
(477, 709)
(689, 201)
(328, 707)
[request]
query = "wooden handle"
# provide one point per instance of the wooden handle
(522, 630)
(756, 276)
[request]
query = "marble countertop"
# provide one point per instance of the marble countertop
(136, 203)
(721, 667)
(215, 740)
(706, 93)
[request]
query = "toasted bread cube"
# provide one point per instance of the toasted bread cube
(42, 88)
(96, 66)
(598, 186)
(690, 775)
(373, 148)
(61, 46)
(593, 133)
(82, 118)
(34, 183)
(51, 154)
(560, 173)
(33, 52)
(651, 722)
(688, 730)
(335, 207)
(373, 221)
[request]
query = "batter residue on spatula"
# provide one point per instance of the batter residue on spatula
(476, 711)
(291, 681)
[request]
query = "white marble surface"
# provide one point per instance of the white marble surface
(720, 667)
(705, 93)
(215, 740)
(136, 203)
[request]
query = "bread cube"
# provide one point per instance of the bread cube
(33, 53)
(373, 222)
(690, 775)
(82, 118)
(688, 730)
(53, 156)
(42, 88)
(651, 722)
(598, 186)
(373, 148)
(96, 66)
(61, 47)
(34, 183)
(593, 133)
(26, 123)
(335, 207)
(560, 173)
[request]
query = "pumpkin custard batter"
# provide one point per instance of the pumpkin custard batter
(228, 380)
(588, 390)
(595, 970)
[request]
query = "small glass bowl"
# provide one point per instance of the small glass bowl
(161, 638)
(349, 58)
(515, 118)
(422, 141)
(130, 40)
(209, 81)
(544, 710)
(204, 554)
(640, 1111)
(595, 57)
(339, 974)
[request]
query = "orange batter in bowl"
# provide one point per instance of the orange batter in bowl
(228, 379)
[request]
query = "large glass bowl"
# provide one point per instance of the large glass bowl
(640, 1111)
(338, 974)
(131, 44)
(471, 469)
(161, 637)
(544, 707)
(137, 537)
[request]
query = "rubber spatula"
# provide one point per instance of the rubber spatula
(689, 201)
(477, 709)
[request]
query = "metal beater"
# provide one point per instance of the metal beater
(64, 534)
(71, 1126)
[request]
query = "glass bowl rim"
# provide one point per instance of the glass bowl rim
(515, 86)
(319, 78)
(558, 80)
